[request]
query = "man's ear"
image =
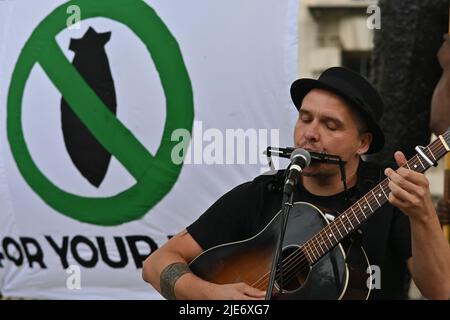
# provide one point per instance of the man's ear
(365, 141)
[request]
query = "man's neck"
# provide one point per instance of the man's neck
(330, 185)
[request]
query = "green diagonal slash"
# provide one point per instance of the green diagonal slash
(155, 175)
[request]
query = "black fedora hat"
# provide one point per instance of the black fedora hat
(355, 89)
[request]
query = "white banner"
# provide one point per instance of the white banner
(121, 121)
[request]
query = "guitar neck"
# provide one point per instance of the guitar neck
(360, 211)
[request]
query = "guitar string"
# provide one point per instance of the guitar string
(291, 266)
(298, 260)
(287, 262)
(414, 161)
(293, 259)
(290, 263)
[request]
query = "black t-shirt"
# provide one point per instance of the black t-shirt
(247, 209)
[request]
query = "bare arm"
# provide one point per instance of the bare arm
(168, 264)
(440, 103)
(430, 261)
(440, 106)
(168, 272)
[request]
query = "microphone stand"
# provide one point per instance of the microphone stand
(277, 263)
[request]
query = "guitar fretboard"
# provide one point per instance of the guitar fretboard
(356, 214)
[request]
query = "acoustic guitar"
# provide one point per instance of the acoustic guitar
(315, 264)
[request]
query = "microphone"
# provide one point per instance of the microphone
(300, 159)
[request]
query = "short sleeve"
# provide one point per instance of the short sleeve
(402, 235)
(227, 219)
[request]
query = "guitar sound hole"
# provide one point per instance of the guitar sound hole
(295, 269)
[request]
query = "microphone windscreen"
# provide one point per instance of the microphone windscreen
(299, 152)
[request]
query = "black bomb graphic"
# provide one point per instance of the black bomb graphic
(89, 156)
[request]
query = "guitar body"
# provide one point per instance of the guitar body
(332, 277)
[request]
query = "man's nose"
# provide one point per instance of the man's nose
(312, 132)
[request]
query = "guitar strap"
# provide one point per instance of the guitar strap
(369, 175)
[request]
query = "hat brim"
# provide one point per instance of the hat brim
(301, 87)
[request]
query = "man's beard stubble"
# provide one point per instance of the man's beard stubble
(321, 170)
